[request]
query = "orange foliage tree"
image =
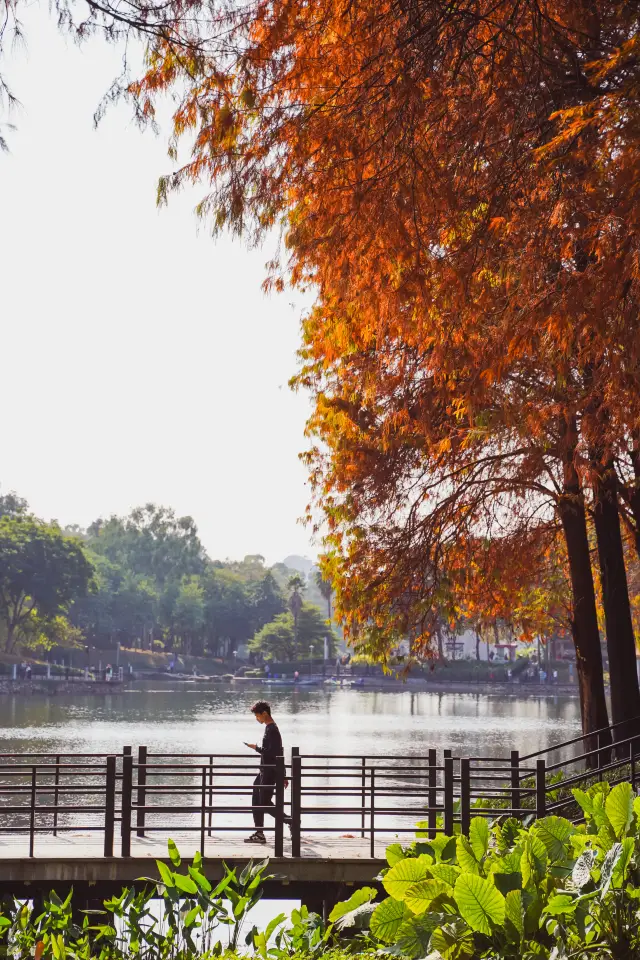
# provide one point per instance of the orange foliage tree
(455, 182)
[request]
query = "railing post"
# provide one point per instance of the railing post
(279, 830)
(372, 810)
(296, 800)
(56, 794)
(515, 781)
(109, 806)
(432, 813)
(203, 806)
(465, 795)
(210, 814)
(142, 792)
(599, 757)
(363, 794)
(541, 788)
(32, 812)
(448, 794)
(126, 798)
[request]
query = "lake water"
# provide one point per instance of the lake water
(201, 718)
(174, 717)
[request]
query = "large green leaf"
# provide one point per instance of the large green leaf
(387, 919)
(185, 884)
(446, 872)
(506, 882)
(554, 833)
(619, 808)
(173, 853)
(467, 860)
(394, 853)
(561, 904)
(165, 874)
(514, 911)
(585, 801)
(414, 935)
(420, 896)
(622, 865)
(533, 863)
(479, 837)
(444, 847)
(453, 941)
(479, 902)
(404, 874)
(364, 895)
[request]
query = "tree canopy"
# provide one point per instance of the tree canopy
(41, 573)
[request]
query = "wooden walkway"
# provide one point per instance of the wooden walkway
(77, 860)
(83, 846)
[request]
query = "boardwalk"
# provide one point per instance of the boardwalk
(101, 820)
(327, 868)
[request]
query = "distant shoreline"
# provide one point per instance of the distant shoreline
(81, 687)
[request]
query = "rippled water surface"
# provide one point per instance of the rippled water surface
(202, 718)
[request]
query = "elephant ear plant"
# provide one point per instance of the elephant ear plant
(187, 922)
(551, 890)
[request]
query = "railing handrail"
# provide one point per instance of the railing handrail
(381, 791)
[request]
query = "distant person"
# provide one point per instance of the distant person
(296, 676)
(27, 672)
(265, 783)
(108, 673)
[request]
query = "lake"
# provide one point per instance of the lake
(196, 717)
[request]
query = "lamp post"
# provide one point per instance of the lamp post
(310, 660)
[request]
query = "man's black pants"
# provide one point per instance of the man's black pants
(263, 790)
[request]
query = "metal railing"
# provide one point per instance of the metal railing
(136, 799)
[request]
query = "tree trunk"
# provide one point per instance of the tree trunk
(634, 494)
(584, 623)
(438, 632)
(478, 639)
(621, 646)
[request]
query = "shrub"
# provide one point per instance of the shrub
(552, 890)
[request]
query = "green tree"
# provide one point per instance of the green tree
(189, 614)
(11, 505)
(266, 600)
(41, 573)
(152, 541)
(277, 640)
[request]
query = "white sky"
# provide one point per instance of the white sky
(140, 360)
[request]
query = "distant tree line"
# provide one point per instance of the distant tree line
(145, 581)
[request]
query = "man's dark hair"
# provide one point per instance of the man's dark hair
(261, 706)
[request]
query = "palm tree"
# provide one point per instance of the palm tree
(295, 585)
(325, 588)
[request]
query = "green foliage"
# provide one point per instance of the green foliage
(279, 640)
(41, 573)
(155, 582)
(552, 890)
(194, 918)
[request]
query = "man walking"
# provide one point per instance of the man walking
(265, 783)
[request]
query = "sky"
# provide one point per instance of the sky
(140, 359)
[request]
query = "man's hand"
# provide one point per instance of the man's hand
(251, 746)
